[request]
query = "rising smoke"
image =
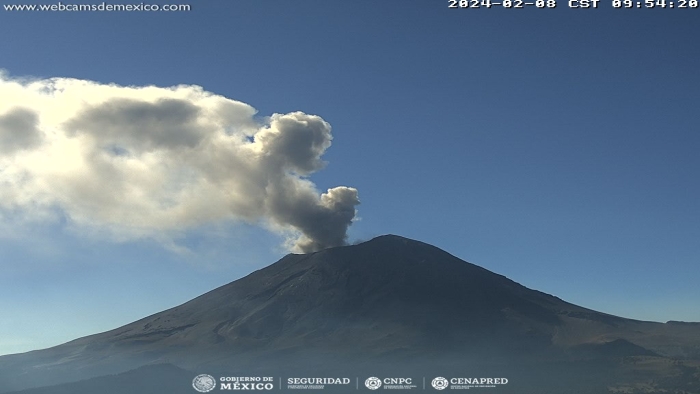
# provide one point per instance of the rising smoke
(139, 162)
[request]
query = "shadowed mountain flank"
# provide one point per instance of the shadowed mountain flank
(150, 379)
(390, 304)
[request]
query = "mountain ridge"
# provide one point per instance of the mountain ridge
(388, 301)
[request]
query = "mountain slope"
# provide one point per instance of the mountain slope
(150, 379)
(387, 302)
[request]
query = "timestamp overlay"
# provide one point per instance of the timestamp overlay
(573, 4)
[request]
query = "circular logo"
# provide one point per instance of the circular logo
(373, 383)
(440, 383)
(204, 383)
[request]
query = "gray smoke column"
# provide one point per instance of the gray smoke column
(140, 162)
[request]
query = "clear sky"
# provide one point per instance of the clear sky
(557, 147)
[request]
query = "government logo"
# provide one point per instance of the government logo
(247, 383)
(315, 383)
(204, 383)
(440, 383)
(373, 383)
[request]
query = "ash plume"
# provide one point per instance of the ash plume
(140, 162)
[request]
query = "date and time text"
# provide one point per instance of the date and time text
(576, 4)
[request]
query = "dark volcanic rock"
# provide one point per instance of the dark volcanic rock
(390, 303)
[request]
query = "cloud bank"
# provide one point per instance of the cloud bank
(144, 162)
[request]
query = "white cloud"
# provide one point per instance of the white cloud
(146, 162)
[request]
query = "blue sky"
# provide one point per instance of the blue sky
(556, 147)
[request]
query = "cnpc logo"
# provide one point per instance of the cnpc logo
(374, 382)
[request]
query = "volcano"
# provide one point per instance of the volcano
(387, 306)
